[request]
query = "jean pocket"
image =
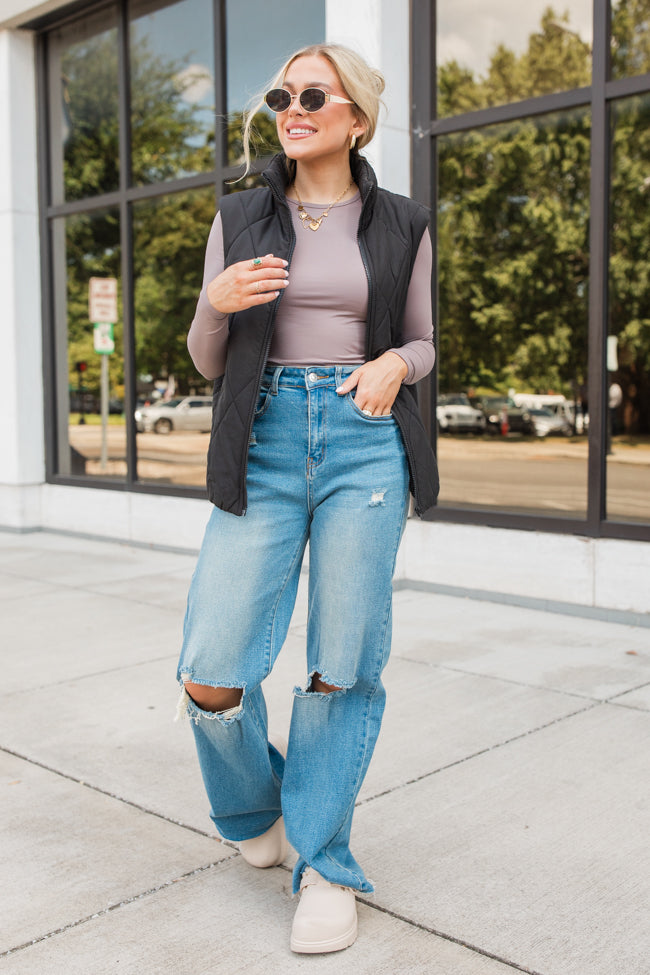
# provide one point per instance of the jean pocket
(384, 417)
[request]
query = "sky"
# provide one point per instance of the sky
(470, 30)
(260, 36)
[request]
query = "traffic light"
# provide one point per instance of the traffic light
(81, 367)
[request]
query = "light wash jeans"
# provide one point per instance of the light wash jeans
(318, 470)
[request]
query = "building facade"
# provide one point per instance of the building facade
(526, 132)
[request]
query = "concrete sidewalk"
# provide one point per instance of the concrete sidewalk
(505, 819)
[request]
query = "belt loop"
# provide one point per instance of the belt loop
(274, 381)
(339, 374)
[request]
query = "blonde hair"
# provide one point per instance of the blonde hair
(360, 82)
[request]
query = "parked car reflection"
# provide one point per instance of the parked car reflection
(455, 414)
(182, 413)
(502, 416)
(547, 423)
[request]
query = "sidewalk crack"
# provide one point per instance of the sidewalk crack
(114, 907)
(477, 754)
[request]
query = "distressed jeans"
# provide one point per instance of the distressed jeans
(319, 470)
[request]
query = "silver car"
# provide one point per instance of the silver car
(182, 413)
(455, 414)
(547, 423)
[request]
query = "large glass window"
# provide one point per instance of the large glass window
(628, 358)
(172, 89)
(174, 401)
(83, 85)
(499, 52)
(86, 246)
(280, 29)
(513, 271)
(143, 82)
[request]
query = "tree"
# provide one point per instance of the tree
(168, 140)
(513, 225)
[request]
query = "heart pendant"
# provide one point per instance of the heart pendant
(314, 225)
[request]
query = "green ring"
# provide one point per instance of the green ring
(257, 261)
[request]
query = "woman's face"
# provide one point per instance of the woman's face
(306, 136)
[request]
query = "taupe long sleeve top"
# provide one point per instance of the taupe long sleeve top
(321, 319)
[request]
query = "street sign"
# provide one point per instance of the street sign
(103, 339)
(102, 300)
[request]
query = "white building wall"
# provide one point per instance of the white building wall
(379, 30)
(22, 466)
(542, 568)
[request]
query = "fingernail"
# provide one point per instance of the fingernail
(339, 389)
(286, 263)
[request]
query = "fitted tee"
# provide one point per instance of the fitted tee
(321, 319)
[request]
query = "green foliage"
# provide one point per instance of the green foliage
(630, 38)
(514, 219)
(556, 60)
(170, 235)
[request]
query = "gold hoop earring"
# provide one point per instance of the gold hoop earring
(353, 142)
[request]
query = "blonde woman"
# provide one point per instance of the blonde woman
(314, 321)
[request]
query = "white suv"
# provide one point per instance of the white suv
(182, 413)
(455, 414)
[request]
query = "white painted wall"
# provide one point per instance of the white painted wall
(22, 465)
(379, 31)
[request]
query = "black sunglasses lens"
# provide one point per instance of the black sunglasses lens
(312, 99)
(278, 99)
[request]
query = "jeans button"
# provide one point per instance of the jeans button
(313, 376)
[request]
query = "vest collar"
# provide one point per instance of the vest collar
(277, 176)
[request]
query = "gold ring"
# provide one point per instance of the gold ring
(256, 262)
(257, 287)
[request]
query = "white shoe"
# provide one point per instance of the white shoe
(272, 847)
(326, 919)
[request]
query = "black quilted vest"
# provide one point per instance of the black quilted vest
(258, 221)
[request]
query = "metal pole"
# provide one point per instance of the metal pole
(104, 400)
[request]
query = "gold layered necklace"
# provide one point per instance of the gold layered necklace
(313, 223)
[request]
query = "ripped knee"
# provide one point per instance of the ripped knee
(214, 699)
(319, 686)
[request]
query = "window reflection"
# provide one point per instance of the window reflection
(84, 119)
(628, 360)
(506, 51)
(174, 402)
(172, 89)
(254, 56)
(513, 270)
(86, 246)
(630, 37)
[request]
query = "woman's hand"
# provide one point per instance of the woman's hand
(377, 383)
(248, 283)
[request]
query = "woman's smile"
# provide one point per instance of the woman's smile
(295, 131)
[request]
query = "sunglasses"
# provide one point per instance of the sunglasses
(311, 99)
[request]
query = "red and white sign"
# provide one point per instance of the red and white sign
(102, 300)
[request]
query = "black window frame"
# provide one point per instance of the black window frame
(425, 130)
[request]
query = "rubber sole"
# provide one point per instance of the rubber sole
(321, 947)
